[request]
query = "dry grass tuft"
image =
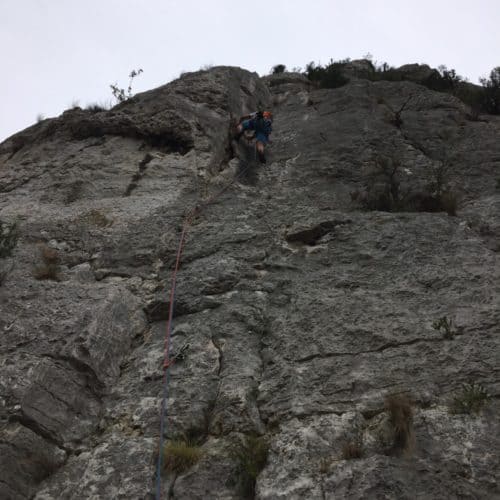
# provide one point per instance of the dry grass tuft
(449, 202)
(96, 218)
(325, 465)
(250, 457)
(8, 238)
(400, 412)
(351, 451)
(48, 269)
(180, 455)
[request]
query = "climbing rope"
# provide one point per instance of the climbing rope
(167, 360)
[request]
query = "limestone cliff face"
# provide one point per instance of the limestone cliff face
(307, 293)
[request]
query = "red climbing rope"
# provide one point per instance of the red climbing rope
(167, 362)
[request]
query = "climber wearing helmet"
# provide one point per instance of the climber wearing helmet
(261, 123)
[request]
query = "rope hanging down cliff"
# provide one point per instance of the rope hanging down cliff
(168, 361)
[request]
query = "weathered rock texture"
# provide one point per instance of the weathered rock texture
(307, 293)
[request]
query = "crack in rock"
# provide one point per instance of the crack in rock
(390, 345)
(139, 174)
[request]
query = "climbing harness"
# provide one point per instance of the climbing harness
(168, 359)
(181, 355)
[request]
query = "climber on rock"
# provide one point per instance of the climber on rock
(261, 123)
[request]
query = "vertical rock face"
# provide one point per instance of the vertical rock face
(310, 299)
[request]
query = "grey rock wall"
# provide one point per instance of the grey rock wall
(307, 293)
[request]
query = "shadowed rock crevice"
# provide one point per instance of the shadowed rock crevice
(36, 428)
(177, 140)
(311, 236)
(28, 459)
(389, 345)
(139, 174)
(168, 132)
(220, 360)
(92, 382)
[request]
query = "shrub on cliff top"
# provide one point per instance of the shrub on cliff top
(119, 94)
(279, 68)
(329, 76)
(491, 90)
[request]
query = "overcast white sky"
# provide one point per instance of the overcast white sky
(56, 52)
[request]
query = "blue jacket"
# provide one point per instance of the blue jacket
(262, 126)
